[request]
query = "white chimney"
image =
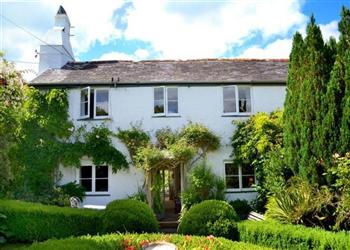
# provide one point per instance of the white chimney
(57, 51)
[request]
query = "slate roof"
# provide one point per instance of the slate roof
(204, 71)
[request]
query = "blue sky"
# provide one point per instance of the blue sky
(143, 30)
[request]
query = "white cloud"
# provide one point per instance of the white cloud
(330, 29)
(93, 21)
(278, 49)
(139, 54)
(209, 34)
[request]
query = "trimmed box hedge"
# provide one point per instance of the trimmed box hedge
(282, 236)
(136, 241)
(129, 216)
(27, 222)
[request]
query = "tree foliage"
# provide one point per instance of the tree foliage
(258, 142)
(203, 185)
(11, 99)
(315, 108)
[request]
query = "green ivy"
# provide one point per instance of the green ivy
(47, 138)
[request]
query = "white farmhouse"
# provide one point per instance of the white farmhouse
(159, 94)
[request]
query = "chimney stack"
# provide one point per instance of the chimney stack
(58, 50)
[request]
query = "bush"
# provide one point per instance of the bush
(73, 189)
(129, 216)
(280, 236)
(242, 208)
(204, 185)
(302, 203)
(210, 217)
(27, 222)
(136, 241)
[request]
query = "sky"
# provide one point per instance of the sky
(163, 29)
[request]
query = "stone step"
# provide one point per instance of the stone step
(168, 224)
(169, 230)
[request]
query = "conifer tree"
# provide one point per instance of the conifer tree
(344, 65)
(308, 118)
(294, 82)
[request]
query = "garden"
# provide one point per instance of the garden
(301, 157)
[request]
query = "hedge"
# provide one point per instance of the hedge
(27, 222)
(282, 236)
(136, 241)
(210, 217)
(130, 216)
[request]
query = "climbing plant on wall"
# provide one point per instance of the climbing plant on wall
(47, 138)
(172, 149)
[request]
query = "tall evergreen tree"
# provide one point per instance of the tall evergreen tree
(314, 73)
(291, 123)
(344, 65)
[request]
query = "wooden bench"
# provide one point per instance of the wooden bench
(255, 216)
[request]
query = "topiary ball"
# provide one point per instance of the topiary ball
(210, 217)
(129, 216)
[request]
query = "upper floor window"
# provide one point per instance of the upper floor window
(239, 177)
(94, 178)
(237, 99)
(94, 103)
(166, 101)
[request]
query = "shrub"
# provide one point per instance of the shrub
(73, 189)
(140, 195)
(302, 203)
(136, 241)
(281, 236)
(204, 185)
(210, 217)
(129, 216)
(257, 142)
(27, 222)
(242, 208)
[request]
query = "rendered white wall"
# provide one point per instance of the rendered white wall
(204, 104)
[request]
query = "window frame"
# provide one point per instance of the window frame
(88, 102)
(237, 113)
(240, 179)
(95, 98)
(94, 116)
(93, 179)
(166, 102)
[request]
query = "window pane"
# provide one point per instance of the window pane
(229, 98)
(231, 169)
(86, 172)
(102, 185)
(86, 184)
(232, 182)
(101, 171)
(229, 93)
(84, 102)
(244, 99)
(158, 94)
(172, 94)
(173, 107)
(229, 106)
(248, 181)
(102, 100)
(158, 107)
(247, 170)
(84, 108)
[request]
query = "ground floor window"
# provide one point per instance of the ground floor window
(94, 178)
(239, 177)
